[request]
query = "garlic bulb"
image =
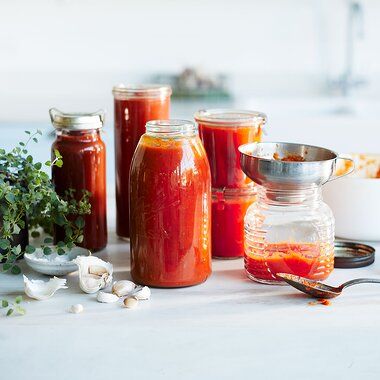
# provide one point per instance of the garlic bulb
(106, 297)
(41, 290)
(130, 302)
(142, 293)
(94, 273)
(76, 309)
(123, 288)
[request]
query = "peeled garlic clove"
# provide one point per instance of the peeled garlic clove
(41, 290)
(97, 270)
(106, 297)
(142, 294)
(76, 309)
(130, 302)
(123, 288)
(94, 273)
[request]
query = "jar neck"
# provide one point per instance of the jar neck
(171, 129)
(287, 197)
(79, 135)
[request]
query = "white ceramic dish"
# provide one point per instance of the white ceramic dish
(54, 264)
(355, 200)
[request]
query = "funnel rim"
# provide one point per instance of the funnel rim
(241, 150)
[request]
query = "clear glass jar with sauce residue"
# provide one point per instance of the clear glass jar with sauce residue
(289, 231)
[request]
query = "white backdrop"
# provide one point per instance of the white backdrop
(70, 52)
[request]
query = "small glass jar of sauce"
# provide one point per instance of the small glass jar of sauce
(84, 168)
(134, 106)
(222, 131)
(170, 198)
(289, 231)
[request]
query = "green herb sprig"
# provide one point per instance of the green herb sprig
(28, 200)
(13, 307)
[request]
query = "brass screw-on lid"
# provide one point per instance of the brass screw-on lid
(76, 121)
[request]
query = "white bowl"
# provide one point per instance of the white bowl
(355, 202)
(54, 264)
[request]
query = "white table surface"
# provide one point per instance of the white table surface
(228, 327)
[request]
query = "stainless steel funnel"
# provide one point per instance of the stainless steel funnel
(262, 163)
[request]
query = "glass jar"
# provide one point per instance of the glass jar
(134, 106)
(228, 210)
(289, 231)
(222, 131)
(170, 198)
(84, 168)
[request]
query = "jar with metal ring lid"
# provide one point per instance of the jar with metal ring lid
(83, 152)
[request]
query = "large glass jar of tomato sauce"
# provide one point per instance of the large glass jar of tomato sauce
(84, 168)
(222, 131)
(134, 106)
(170, 198)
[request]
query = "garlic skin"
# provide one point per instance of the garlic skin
(94, 273)
(105, 297)
(143, 293)
(130, 302)
(76, 309)
(41, 290)
(123, 288)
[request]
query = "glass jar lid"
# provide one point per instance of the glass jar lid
(230, 118)
(132, 91)
(76, 121)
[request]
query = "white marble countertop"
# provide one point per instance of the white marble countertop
(227, 327)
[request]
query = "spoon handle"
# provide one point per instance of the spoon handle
(360, 281)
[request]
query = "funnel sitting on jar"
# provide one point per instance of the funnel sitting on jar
(289, 229)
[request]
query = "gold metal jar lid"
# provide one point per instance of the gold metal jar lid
(76, 121)
(123, 92)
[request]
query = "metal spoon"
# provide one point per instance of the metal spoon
(318, 289)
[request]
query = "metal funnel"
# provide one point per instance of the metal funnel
(262, 162)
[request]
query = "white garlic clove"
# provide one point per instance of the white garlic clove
(97, 270)
(76, 309)
(142, 293)
(94, 273)
(123, 288)
(106, 297)
(41, 290)
(130, 302)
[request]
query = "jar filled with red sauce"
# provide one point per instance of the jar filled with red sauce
(170, 198)
(134, 106)
(228, 210)
(222, 131)
(289, 231)
(83, 152)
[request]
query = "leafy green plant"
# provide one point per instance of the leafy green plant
(28, 200)
(13, 307)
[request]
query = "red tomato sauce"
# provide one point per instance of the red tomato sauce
(311, 260)
(228, 224)
(221, 144)
(84, 168)
(170, 212)
(131, 115)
